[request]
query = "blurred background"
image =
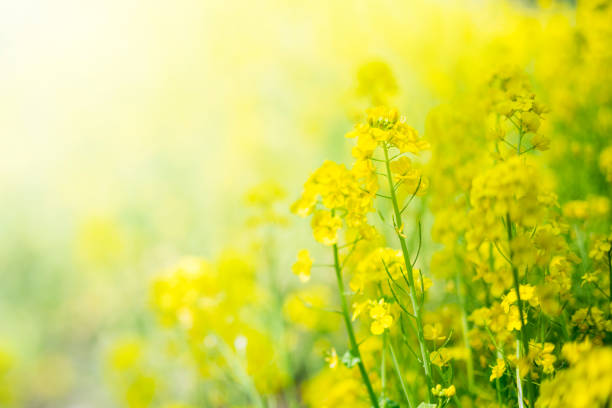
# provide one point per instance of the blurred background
(130, 132)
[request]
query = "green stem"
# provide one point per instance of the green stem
(610, 271)
(399, 375)
(351, 333)
(518, 378)
(464, 323)
(415, 306)
(524, 338)
(383, 376)
(497, 389)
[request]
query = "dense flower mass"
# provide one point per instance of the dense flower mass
(506, 303)
(340, 199)
(587, 383)
(306, 204)
(214, 313)
(384, 125)
(334, 194)
(448, 243)
(522, 275)
(455, 269)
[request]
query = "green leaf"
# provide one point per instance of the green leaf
(426, 405)
(349, 359)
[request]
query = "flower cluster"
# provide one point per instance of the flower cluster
(216, 316)
(384, 125)
(384, 280)
(379, 312)
(538, 271)
(334, 193)
(587, 383)
(475, 276)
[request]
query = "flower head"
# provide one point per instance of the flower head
(303, 265)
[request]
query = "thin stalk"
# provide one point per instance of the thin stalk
(519, 128)
(399, 375)
(524, 338)
(500, 353)
(464, 323)
(351, 333)
(518, 379)
(610, 271)
(407, 260)
(383, 375)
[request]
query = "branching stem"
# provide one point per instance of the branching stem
(413, 292)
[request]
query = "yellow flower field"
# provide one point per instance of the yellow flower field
(325, 204)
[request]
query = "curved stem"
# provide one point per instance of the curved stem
(407, 260)
(351, 333)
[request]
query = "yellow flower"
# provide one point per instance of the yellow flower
(449, 392)
(371, 268)
(481, 316)
(573, 351)
(578, 209)
(560, 271)
(540, 142)
(514, 319)
(433, 332)
(600, 248)
(384, 125)
(379, 311)
(528, 294)
(358, 308)
(440, 357)
(498, 369)
(593, 373)
(325, 227)
(605, 162)
(303, 265)
(508, 300)
(440, 392)
(589, 277)
(304, 205)
(531, 121)
(332, 358)
(402, 170)
(513, 188)
(541, 353)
